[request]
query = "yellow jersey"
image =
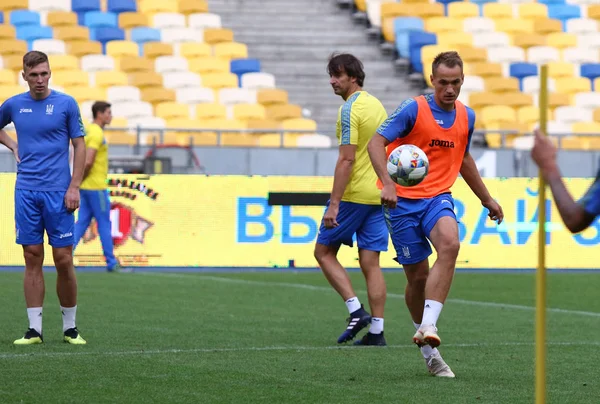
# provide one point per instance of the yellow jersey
(94, 139)
(358, 120)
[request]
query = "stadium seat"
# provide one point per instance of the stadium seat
(8, 77)
(560, 69)
(49, 5)
(218, 81)
(71, 33)
(49, 46)
(208, 64)
(416, 41)
(522, 70)
(214, 36)
(256, 81)
(272, 97)
(231, 50)
(145, 79)
(82, 48)
(244, 112)
(531, 85)
(300, 124)
(208, 111)
(83, 6)
(165, 64)
(581, 26)
(282, 112)
(589, 100)
(572, 114)
(243, 66)
(532, 11)
(152, 50)
(70, 78)
(516, 99)
(181, 80)
(561, 40)
(572, 85)
(61, 19)
(99, 19)
(128, 20)
(529, 40)
(403, 27)
(473, 84)
(590, 71)
(564, 12)
(507, 54)
(586, 128)
(30, 33)
(580, 55)
(542, 54)
(593, 11)
(168, 20)
(123, 94)
(107, 34)
(63, 62)
(204, 20)
(231, 96)
(476, 25)
(590, 41)
(491, 40)
(96, 63)
(105, 79)
(482, 99)
(194, 95)
(120, 48)
(497, 10)
(181, 35)
(547, 26)
(189, 7)
(132, 109)
(20, 18)
(7, 32)
(530, 115)
(171, 110)
(191, 50)
(121, 6)
(135, 64)
(85, 94)
(141, 35)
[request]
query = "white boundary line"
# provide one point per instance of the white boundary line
(393, 295)
(34, 355)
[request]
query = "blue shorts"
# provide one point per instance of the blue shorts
(366, 221)
(411, 222)
(36, 211)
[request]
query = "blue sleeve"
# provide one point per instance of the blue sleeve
(74, 121)
(401, 122)
(591, 200)
(471, 116)
(5, 113)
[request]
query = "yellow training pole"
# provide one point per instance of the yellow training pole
(540, 311)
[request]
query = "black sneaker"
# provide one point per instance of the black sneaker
(372, 339)
(31, 337)
(356, 322)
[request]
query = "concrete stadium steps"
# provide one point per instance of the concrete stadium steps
(294, 42)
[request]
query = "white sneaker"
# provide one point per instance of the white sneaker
(437, 366)
(427, 335)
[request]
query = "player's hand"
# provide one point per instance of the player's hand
(330, 216)
(544, 151)
(389, 198)
(495, 210)
(72, 199)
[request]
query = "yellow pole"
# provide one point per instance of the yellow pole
(540, 329)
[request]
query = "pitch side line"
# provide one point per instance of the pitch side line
(393, 295)
(34, 355)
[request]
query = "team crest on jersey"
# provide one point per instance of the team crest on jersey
(49, 109)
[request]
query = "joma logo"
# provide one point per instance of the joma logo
(441, 143)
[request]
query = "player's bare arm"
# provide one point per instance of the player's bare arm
(10, 144)
(470, 173)
(72, 195)
(341, 177)
(90, 157)
(573, 214)
(377, 154)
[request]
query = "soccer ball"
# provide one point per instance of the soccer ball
(408, 165)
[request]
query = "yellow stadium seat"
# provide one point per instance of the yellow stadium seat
(429, 10)
(516, 99)
(105, 79)
(558, 100)
(130, 20)
(479, 100)
(547, 26)
(120, 138)
(473, 55)
(596, 114)
(134, 64)
(272, 96)
(63, 62)
(83, 94)
(562, 40)
(172, 110)
(217, 81)
(514, 26)
(152, 50)
(82, 48)
(145, 79)
(13, 47)
(158, 95)
(302, 124)
(560, 69)
(530, 114)
(439, 25)
(72, 33)
(497, 113)
(231, 50)
(484, 70)
(208, 64)
(8, 77)
(211, 111)
(361, 5)
(7, 31)
(244, 112)
(501, 84)
(573, 143)
(70, 78)
(572, 85)
(533, 11)
(13, 62)
(593, 142)
(7, 91)
(593, 11)
(586, 128)
(280, 112)
(184, 138)
(455, 39)
(387, 29)
(151, 7)
(217, 35)
(190, 50)
(526, 41)
(263, 126)
(497, 11)
(223, 125)
(188, 7)
(429, 52)
(463, 10)
(9, 5)
(494, 140)
(61, 19)
(392, 10)
(168, 138)
(118, 49)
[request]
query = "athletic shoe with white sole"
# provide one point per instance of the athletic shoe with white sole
(427, 335)
(437, 367)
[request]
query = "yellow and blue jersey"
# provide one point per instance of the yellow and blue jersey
(591, 200)
(358, 120)
(94, 139)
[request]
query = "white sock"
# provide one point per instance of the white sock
(353, 304)
(426, 350)
(376, 325)
(35, 318)
(431, 312)
(68, 317)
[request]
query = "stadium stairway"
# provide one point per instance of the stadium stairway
(294, 41)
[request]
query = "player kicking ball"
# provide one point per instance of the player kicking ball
(354, 206)
(441, 126)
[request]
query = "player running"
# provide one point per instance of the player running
(425, 212)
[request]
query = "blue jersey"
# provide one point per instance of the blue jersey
(591, 200)
(44, 130)
(401, 121)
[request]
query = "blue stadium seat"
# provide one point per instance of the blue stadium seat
(99, 19)
(83, 6)
(403, 26)
(121, 6)
(242, 66)
(522, 70)
(445, 3)
(103, 35)
(24, 17)
(30, 33)
(141, 35)
(549, 2)
(416, 40)
(564, 12)
(590, 71)
(1, 17)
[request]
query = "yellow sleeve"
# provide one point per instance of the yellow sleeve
(93, 137)
(350, 122)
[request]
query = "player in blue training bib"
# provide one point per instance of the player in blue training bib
(46, 195)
